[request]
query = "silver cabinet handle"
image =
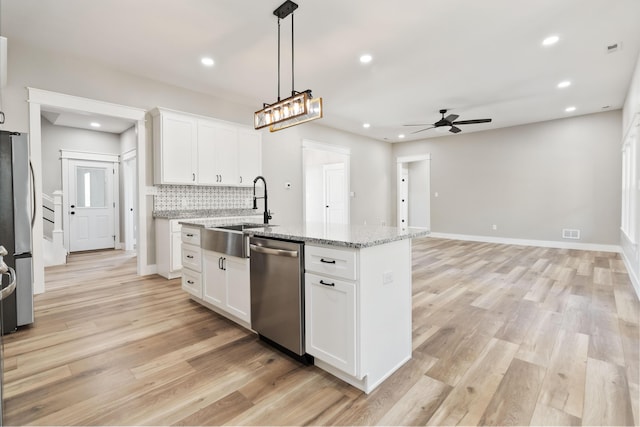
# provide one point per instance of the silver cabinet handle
(12, 286)
(272, 251)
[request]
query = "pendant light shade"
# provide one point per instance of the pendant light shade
(300, 107)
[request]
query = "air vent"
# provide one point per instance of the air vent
(614, 47)
(568, 233)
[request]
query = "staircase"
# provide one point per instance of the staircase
(53, 242)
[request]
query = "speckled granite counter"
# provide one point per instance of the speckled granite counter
(205, 213)
(352, 236)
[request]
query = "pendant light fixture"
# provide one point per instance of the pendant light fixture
(300, 107)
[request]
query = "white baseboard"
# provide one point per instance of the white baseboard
(149, 269)
(635, 280)
(526, 242)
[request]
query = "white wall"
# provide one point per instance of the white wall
(631, 252)
(370, 172)
(531, 181)
(55, 138)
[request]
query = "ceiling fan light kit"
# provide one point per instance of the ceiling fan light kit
(450, 121)
(300, 107)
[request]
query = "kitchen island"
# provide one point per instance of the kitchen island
(357, 296)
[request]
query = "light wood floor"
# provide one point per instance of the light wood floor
(502, 335)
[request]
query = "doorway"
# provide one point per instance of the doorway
(414, 192)
(41, 100)
(326, 183)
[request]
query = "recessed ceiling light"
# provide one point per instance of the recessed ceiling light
(207, 61)
(551, 40)
(366, 125)
(570, 109)
(95, 124)
(401, 136)
(564, 84)
(365, 59)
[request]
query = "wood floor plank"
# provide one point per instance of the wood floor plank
(607, 400)
(492, 324)
(563, 386)
(515, 400)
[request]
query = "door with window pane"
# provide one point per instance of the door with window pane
(91, 205)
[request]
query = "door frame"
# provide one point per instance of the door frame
(38, 98)
(400, 163)
(129, 185)
(308, 145)
(65, 157)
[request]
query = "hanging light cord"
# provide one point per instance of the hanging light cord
(278, 59)
(293, 91)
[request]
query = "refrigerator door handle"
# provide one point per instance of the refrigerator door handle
(5, 292)
(33, 191)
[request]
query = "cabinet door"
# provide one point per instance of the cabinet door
(215, 279)
(249, 156)
(330, 321)
(226, 154)
(238, 293)
(176, 251)
(178, 146)
(207, 174)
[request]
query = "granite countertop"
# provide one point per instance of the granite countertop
(352, 236)
(205, 213)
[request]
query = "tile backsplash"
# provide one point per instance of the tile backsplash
(190, 197)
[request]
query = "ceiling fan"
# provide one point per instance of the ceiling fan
(450, 121)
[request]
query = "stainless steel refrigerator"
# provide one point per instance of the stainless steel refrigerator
(16, 220)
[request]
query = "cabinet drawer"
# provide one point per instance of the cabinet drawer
(192, 257)
(335, 262)
(191, 236)
(192, 282)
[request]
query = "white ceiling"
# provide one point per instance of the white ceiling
(476, 58)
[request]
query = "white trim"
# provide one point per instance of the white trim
(95, 157)
(307, 143)
(414, 158)
(128, 155)
(635, 280)
(527, 242)
(38, 97)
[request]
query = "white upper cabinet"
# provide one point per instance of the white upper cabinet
(196, 150)
(175, 148)
(249, 156)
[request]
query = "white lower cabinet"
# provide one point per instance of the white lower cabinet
(358, 310)
(226, 284)
(192, 282)
(330, 321)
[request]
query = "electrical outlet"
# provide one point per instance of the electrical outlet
(494, 226)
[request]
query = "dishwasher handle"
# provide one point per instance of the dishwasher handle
(272, 251)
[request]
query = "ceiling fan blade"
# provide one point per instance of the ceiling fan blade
(471, 122)
(451, 117)
(419, 124)
(422, 130)
(455, 129)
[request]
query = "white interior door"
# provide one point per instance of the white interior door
(130, 186)
(91, 205)
(403, 199)
(335, 194)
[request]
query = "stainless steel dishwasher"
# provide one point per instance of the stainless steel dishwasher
(277, 294)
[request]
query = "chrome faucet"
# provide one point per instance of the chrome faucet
(267, 212)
